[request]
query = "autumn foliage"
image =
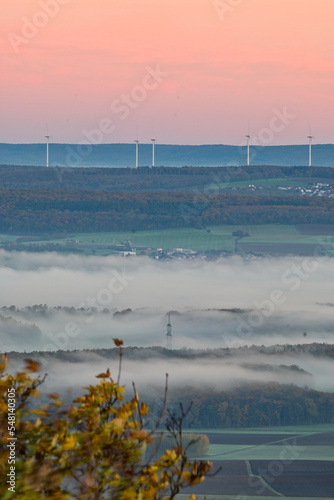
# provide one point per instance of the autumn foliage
(93, 450)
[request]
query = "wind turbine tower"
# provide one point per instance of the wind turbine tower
(153, 142)
(248, 137)
(310, 137)
(47, 137)
(137, 142)
(169, 333)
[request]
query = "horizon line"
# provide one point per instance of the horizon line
(166, 144)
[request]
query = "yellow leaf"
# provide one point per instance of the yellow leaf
(118, 424)
(81, 399)
(69, 443)
(54, 395)
(186, 476)
(32, 365)
(3, 364)
(170, 455)
(38, 422)
(57, 403)
(118, 342)
(54, 440)
(196, 480)
(144, 409)
(104, 375)
(38, 412)
(138, 434)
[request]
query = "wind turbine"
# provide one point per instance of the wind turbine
(137, 142)
(47, 137)
(153, 142)
(248, 137)
(310, 137)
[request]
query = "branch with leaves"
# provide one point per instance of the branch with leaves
(93, 450)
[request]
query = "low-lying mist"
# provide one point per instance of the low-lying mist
(52, 302)
(229, 303)
(224, 373)
(196, 329)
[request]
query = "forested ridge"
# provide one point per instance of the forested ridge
(248, 404)
(42, 211)
(146, 179)
(315, 349)
(256, 405)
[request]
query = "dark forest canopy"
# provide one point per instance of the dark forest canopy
(32, 211)
(314, 349)
(149, 179)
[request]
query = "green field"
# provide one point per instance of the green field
(218, 238)
(301, 430)
(274, 233)
(7, 238)
(195, 239)
(258, 230)
(294, 460)
(268, 451)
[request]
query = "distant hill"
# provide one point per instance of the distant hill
(123, 155)
(232, 180)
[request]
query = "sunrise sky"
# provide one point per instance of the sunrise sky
(187, 71)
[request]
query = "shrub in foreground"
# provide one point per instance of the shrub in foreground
(93, 450)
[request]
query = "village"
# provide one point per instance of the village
(316, 189)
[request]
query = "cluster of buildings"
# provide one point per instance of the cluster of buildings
(127, 249)
(318, 189)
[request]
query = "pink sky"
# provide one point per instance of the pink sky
(225, 64)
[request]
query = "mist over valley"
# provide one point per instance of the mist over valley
(223, 326)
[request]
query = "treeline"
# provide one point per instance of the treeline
(250, 405)
(156, 352)
(254, 406)
(60, 211)
(146, 179)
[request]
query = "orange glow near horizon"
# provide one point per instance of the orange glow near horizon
(223, 67)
